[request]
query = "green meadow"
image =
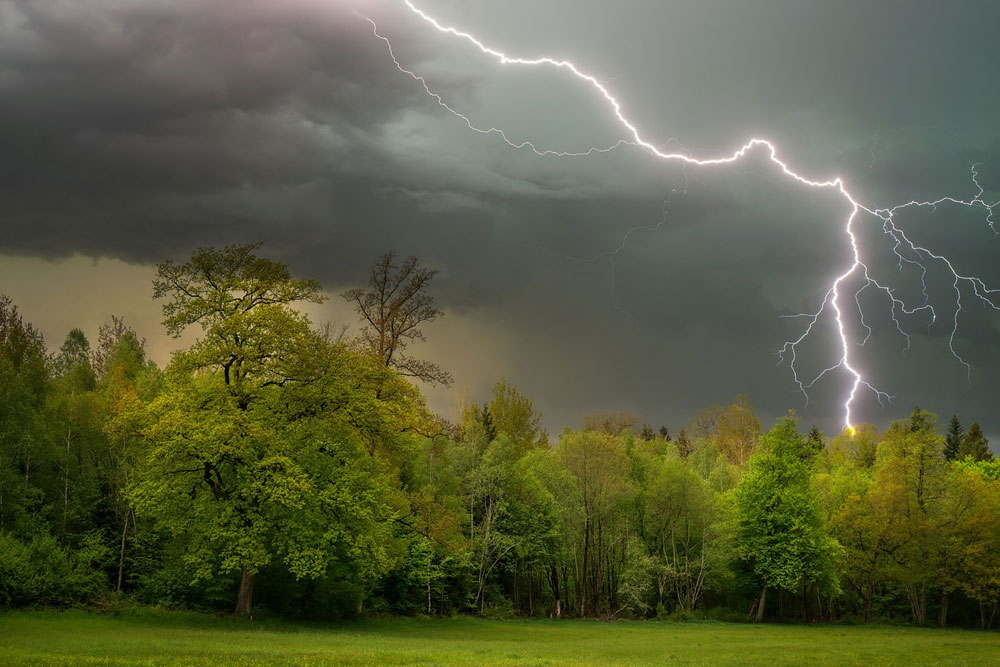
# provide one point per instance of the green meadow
(169, 638)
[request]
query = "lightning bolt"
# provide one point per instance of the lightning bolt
(907, 251)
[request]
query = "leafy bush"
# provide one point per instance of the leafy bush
(44, 572)
(499, 609)
(681, 616)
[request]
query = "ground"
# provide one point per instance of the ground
(173, 638)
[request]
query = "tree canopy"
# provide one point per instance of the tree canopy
(273, 468)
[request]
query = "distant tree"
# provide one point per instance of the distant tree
(815, 439)
(392, 307)
(858, 446)
(254, 444)
(966, 527)
(704, 424)
(20, 342)
(683, 443)
(921, 420)
(515, 416)
(915, 458)
(780, 532)
(489, 426)
(634, 579)
(24, 386)
(72, 418)
(611, 423)
(108, 334)
(127, 358)
(688, 537)
(647, 432)
(600, 466)
(243, 304)
(737, 430)
(978, 537)
(129, 381)
(664, 433)
(556, 504)
(75, 352)
(512, 516)
(974, 444)
(953, 438)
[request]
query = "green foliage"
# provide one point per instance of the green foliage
(41, 571)
(516, 418)
(304, 476)
(780, 531)
(74, 356)
(921, 420)
(635, 581)
(974, 445)
(489, 425)
(988, 468)
(687, 528)
(953, 439)
(239, 486)
(24, 387)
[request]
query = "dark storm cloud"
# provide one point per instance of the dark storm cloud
(139, 130)
(120, 118)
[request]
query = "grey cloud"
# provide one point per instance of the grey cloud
(139, 130)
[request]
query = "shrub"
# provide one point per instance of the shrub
(44, 572)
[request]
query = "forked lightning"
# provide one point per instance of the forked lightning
(906, 251)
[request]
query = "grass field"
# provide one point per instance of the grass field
(163, 638)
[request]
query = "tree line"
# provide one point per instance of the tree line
(275, 466)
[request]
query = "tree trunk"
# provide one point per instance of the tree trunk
(554, 583)
(69, 435)
(565, 585)
(983, 622)
(760, 604)
(307, 598)
(869, 594)
(121, 555)
(531, 596)
(918, 602)
(923, 602)
(805, 602)
(943, 611)
(517, 596)
(244, 598)
(586, 555)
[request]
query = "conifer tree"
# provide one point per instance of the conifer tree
(489, 426)
(953, 438)
(975, 444)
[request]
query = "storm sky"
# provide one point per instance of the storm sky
(133, 131)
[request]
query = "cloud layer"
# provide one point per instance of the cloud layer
(140, 130)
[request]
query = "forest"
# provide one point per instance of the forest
(278, 467)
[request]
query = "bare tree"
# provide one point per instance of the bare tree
(611, 423)
(393, 306)
(704, 424)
